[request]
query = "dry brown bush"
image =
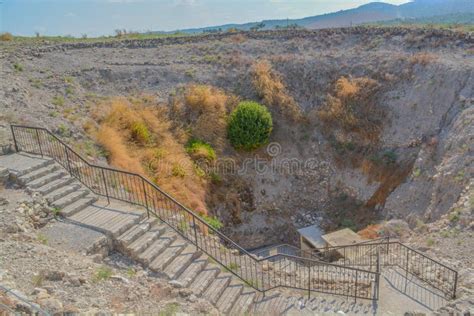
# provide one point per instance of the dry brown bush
(204, 110)
(270, 88)
(238, 38)
(162, 157)
(423, 58)
(6, 37)
(352, 108)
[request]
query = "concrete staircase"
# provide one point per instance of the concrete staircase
(145, 240)
(162, 250)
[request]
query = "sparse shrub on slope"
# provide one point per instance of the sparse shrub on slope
(270, 88)
(200, 150)
(6, 37)
(352, 109)
(204, 111)
(423, 58)
(250, 125)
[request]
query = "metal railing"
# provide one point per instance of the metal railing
(263, 274)
(395, 253)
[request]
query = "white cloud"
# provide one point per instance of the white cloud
(70, 14)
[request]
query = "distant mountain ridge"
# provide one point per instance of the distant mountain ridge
(367, 13)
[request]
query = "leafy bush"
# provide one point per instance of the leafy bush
(250, 126)
(199, 149)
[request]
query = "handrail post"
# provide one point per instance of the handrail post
(309, 280)
(356, 285)
(105, 185)
(406, 269)
(39, 143)
(14, 138)
(195, 233)
(455, 284)
(146, 199)
(67, 159)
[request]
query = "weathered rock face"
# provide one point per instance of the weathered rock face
(427, 92)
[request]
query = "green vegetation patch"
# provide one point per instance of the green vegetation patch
(213, 221)
(199, 149)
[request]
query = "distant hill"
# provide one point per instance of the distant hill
(371, 12)
(447, 20)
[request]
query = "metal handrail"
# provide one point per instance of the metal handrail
(134, 188)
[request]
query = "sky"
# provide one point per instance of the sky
(102, 17)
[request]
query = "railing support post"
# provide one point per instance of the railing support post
(67, 160)
(106, 188)
(455, 285)
(14, 138)
(146, 199)
(195, 233)
(406, 266)
(39, 143)
(309, 280)
(356, 285)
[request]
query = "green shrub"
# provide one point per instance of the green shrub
(199, 149)
(18, 67)
(178, 171)
(102, 273)
(140, 132)
(214, 222)
(58, 100)
(250, 126)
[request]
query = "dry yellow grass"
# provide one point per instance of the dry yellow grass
(423, 58)
(204, 110)
(161, 157)
(271, 89)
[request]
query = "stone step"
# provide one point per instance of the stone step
(204, 279)
(78, 206)
(61, 192)
(229, 296)
(132, 234)
(35, 167)
(182, 261)
(217, 287)
(37, 183)
(243, 304)
(140, 244)
(54, 185)
(160, 263)
(38, 173)
(157, 247)
(293, 306)
(269, 305)
(118, 228)
(85, 213)
(70, 198)
(192, 271)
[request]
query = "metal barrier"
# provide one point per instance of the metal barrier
(263, 274)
